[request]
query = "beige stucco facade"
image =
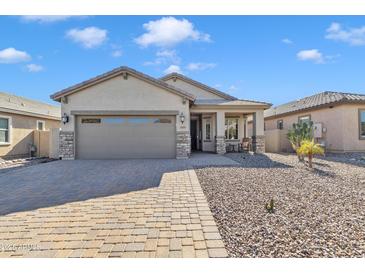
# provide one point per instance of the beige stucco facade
(193, 89)
(125, 96)
(340, 128)
(21, 134)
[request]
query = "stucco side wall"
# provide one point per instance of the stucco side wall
(198, 92)
(351, 140)
(341, 123)
(119, 94)
(21, 133)
(331, 119)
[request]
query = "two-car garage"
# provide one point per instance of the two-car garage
(123, 136)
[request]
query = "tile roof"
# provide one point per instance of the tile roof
(317, 100)
(119, 71)
(17, 104)
(199, 84)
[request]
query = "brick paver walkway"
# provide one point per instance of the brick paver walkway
(171, 220)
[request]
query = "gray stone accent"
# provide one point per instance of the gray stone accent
(182, 144)
(220, 144)
(258, 144)
(67, 145)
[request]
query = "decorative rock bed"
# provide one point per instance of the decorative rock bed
(6, 165)
(317, 213)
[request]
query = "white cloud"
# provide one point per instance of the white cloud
(45, 18)
(11, 55)
(34, 68)
(311, 55)
(117, 53)
(173, 68)
(169, 31)
(166, 53)
(287, 41)
(163, 57)
(232, 88)
(352, 36)
(90, 37)
(200, 66)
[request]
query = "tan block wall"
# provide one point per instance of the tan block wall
(41, 141)
(54, 143)
(22, 134)
(341, 123)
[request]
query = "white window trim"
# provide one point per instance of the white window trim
(10, 125)
(44, 124)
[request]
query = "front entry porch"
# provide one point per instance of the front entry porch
(220, 131)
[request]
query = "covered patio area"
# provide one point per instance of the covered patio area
(223, 126)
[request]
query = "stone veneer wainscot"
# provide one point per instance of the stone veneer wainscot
(67, 145)
(182, 144)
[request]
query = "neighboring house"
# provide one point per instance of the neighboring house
(19, 118)
(127, 114)
(338, 118)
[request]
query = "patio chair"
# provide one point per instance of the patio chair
(245, 145)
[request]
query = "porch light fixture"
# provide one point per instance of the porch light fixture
(182, 118)
(65, 118)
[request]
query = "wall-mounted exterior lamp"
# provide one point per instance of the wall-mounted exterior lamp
(182, 118)
(65, 118)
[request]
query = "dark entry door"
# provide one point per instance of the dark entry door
(193, 134)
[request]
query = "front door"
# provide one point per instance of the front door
(193, 134)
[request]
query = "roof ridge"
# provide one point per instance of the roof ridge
(175, 74)
(345, 92)
(28, 99)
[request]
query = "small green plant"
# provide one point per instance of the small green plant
(309, 148)
(299, 132)
(270, 206)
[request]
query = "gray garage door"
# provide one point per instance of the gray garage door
(121, 137)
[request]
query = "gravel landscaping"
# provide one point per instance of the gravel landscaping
(7, 165)
(317, 213)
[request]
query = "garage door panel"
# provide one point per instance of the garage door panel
(130, 137)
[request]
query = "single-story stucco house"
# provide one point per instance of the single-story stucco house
(19, 119)
(124, 113)
(338, 119)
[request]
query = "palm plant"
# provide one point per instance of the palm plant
(309, 148)
(299, 132)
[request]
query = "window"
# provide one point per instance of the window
(113, 120)
(207, 130)
(41, 125)
(149, 120)
(280, 124)
(5, 125)
(362, 123)
(304, 119)
(91, 121)
(231, 128)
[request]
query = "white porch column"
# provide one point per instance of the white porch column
(258, 135)
(220, 144)
(245, 127)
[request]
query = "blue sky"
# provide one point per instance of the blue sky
(268, 58)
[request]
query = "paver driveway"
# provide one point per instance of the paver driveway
(127, 208)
